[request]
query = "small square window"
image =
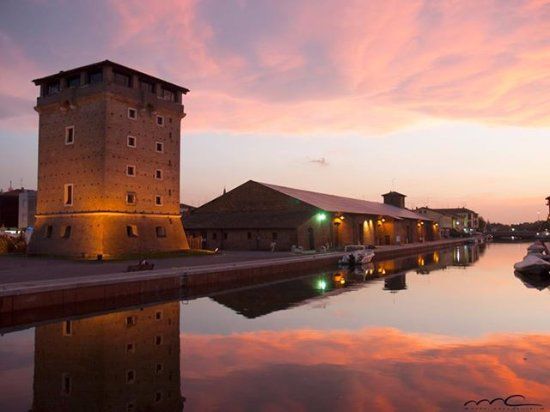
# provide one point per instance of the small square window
(131, 321)
(160, 120)
(132, 231)
(158, 200)
(48, 231)
(130, 347)
(132, 113)
(130, 198)
(66, 233)
(158, 315)
(159, 146)
(158, 174)
(131, 141)
(69, 135)
(130, 170)
(158, 340)
(158, 368)
(158, 397)
(161, 231)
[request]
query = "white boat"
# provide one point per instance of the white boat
(356, 255)
(532, 264)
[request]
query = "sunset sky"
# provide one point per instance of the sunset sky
(445, 101)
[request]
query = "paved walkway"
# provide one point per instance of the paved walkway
(15, 269)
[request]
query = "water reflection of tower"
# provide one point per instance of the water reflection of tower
(126, 361)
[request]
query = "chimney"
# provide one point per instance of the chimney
(395, 199)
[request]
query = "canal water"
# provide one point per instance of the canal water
(429, 332)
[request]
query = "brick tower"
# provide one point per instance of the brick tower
(108, 163)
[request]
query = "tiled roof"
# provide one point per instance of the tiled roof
(331, 203)
(455, 210)
(246, 220)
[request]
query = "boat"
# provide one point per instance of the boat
(356, 255)
(533, 265)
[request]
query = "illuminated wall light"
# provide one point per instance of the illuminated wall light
(321, 216)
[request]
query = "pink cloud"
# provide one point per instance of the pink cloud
(371, 369)
(365, 67)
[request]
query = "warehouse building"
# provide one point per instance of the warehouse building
(256, 216)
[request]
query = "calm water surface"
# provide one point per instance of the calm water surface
(423, 333)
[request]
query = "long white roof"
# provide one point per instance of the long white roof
(331, 203)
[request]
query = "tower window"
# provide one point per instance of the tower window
(160, 120)
(130, 376)
(159, 146)
(65, 384)
(161, 231)
(67, 328)
(132, 113)
(159, 368)
(73, 81)
(168, 95)
(69, 135)
(48, 231)
(130, 198)
(158, 174)
(131, 141)
(68, 195)
(53, 88)
(95, 77)
(130, 170)
(132, 231)
(122, 79)
(131, 321)
(158, 200)
(66, 232)
(158, 396)
(146, 87)
(158, 315)
(158, 340)
(130, 347)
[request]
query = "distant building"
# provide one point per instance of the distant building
(9, 208)
(548, 204)
(108, 163)
(185, 210)
(446, 221)
(27, 209)
(466, 220)
(253, 215)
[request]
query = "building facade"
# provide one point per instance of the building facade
(446, 222)
(254, 216)
(466, 220)
(9, 208)
(27, 209)
(108, 163)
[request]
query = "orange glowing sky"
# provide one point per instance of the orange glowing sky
(446, 101)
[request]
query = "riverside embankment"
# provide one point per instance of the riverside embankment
(80, 294)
